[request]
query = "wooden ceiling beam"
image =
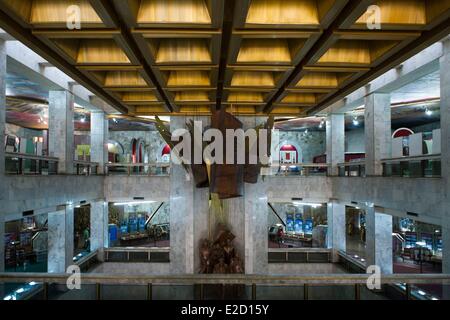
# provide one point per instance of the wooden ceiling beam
(353, 8)
(426, 39)
(23, 34)
(229, 10)
(110, 9)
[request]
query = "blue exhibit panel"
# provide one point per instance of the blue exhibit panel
(289, 222)
(112, 228)
(410, 239)
(308, 227)
(298, 224)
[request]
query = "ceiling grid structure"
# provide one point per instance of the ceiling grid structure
(253, 57)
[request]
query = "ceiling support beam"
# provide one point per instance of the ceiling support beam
(348, 11)
(106, 8)
(227, 31)
(426, 39)
(419, 66)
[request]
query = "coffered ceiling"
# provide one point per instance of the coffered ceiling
(290, 57)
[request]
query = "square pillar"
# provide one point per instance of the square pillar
(2, 147)
(2, 104)
(2, 243)
(61, 128)
(60, 240)
(256, 240)
(336, 237)
(445, 153)
(255, 215)
(182, 191)
(377, 131)
(445, 111)
(99, 225)
(379, 240)
(189, 211)
(99, 140)
(335, 129)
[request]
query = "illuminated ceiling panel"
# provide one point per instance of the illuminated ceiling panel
(291, 57)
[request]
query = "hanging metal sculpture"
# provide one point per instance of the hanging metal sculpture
(227, 179)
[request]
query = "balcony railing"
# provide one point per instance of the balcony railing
(426, 166)
(139, 169)
(85, 168)
(352, 169)
(29, 164)
(137, 254)
(215, 286)
(299, 255)
(297, 169)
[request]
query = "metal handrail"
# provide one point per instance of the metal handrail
(131, 166)
(30, 156)
(150, 164)
(309, 250)
(307, 165)
(249, 279)
(283, 168)
(40, 162)
(352, 163)
(413, 158)
(137, 249)
(86, 163)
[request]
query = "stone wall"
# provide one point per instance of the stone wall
(355, 141)
(152, 141)
(308, 145)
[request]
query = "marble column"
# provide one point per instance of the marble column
(2, 148)
(336, 237)
(445, 153)
(379, 240)
(2, 104)
(99, 225)
(377, 131)
(189, 209)
(255, 197)
(335, 131)
(60, 239)
(61, 129)
(234, 210)
(256, 240)
(2, 243)
(99, 140)
(200, 224)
